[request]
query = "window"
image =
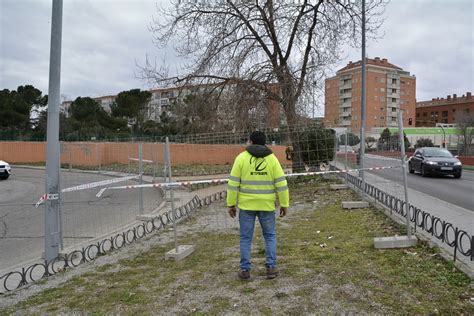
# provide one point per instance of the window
(418, 114)
(394, 109)
(375, 98)
(381, 109)
(382, 89)
(394, 90)
(382, 80)
(454, 110)
(401, 102)
(466, 111)
(394, 119)
(425, 114)
(444, 114)
(394, 100)
(394, 81)
(382, 118)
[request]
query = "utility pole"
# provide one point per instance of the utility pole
(52, 210)
(362, 109)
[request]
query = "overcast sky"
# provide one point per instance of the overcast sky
(103, 40)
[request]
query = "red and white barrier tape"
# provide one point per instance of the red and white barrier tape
(86, 186)
(144, 160)
(220, 181)
(46, 197)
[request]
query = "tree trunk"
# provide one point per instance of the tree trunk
(292, 122)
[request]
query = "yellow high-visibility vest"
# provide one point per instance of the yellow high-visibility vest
(255, 180)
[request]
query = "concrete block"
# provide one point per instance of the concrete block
(354, 204)
(183, 252)
(395, 242)
(338, 186)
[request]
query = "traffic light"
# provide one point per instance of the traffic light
(410, 121)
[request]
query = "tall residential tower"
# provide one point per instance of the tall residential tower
(389, 89)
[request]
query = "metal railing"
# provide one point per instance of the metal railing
(439, 229)
(16, 279)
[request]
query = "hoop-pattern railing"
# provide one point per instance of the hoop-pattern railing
(456, 238)
(16, 279)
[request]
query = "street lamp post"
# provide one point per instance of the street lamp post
(434, 119)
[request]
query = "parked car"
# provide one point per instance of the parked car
(433, 160)
(5, 170)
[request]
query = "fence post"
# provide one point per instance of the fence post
(140, 170)
(168, 179)
(70, 157)
(154, 159)
(345, 151)
(98, 155)
(405, 182)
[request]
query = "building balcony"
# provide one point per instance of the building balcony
(347, 85)
(345, 105)
(345, 122)
(345, 95)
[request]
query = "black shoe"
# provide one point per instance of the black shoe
(244, 275)
(272, 272)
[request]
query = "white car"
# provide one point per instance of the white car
(5, 170)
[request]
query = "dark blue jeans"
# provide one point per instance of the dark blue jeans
(247, 225)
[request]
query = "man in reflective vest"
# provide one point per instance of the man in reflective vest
(254, 181)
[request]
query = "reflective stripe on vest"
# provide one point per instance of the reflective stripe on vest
(234, 178)
(251, 191)
(280, 179)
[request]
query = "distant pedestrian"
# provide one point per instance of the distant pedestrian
(255, 178)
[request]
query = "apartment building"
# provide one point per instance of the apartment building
(389, 89)
(264, 113)
(446, 111)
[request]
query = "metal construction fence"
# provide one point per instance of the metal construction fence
(116, 192)
(16, 279)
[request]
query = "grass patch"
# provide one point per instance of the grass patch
(327, 260)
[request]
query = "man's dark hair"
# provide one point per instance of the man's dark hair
(258, 138)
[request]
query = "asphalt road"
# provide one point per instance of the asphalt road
(459, 192)
(84, 216)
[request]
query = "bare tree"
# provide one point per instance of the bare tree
(465, 127)
(259, 44)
